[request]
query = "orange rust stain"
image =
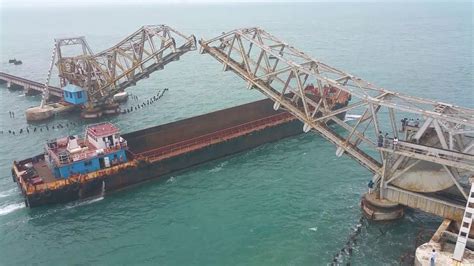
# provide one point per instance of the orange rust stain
(79, 178)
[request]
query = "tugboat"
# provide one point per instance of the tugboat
(71, 167)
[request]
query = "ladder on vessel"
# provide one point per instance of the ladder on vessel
(465, 227)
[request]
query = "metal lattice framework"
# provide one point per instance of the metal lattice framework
(283, 74)
(103, 74)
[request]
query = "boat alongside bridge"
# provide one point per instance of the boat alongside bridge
(71, 168)
(428, 166)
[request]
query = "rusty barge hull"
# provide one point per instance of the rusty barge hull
(162, 167)
(161, 150)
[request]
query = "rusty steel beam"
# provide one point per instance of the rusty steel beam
(103, 74)
(283, 74)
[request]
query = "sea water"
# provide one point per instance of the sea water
(287, 203)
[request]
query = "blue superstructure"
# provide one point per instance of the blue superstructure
(91, 165)
(102, 148)
(74, 94)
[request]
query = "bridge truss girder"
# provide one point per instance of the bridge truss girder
(282, 73)
(103, 74)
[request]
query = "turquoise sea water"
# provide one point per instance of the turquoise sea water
(286, 203)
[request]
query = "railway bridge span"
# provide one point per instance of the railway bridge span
(420, 151)
(29, 86)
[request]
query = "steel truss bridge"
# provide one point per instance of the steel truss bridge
(428, 168)
(111, 71)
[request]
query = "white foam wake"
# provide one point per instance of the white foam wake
(171, 180)
(218, 168)
(84, 202)
(11, 208)
(7, 193)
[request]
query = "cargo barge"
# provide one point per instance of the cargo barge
(73, 168)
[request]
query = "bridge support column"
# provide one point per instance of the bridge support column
(30, 92)
(14, 86)
(377, 209)
(37, 113)
(443, 243)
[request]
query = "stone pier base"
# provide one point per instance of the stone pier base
(379, 209)
(37, 113)
(444, 254)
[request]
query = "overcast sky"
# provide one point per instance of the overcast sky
(34, 3)
(130, 2)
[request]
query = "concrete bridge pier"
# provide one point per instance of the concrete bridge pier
(39, 113)
(30, 92)
(443, 242)
(377, 209)
(14, 86)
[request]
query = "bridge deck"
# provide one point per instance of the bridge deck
(29, 85)
(275, 68)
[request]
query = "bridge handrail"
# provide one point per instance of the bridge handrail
(27, 81)
(427, 153)
(439, 151)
